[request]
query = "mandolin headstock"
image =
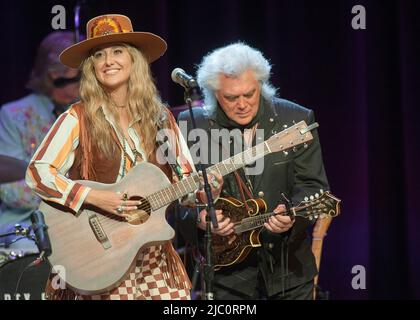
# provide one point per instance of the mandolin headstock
(320, 205)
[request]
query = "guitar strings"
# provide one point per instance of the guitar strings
(268, 214)
(110, 222)
(194, 178)
(106, 221)
(251, 221)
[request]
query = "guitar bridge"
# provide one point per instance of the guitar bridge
(99, 232)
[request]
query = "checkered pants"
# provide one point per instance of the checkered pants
(145, 282)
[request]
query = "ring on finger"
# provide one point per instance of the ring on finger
(215, 183)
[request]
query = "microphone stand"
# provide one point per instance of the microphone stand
(77, 8)
(210, 216)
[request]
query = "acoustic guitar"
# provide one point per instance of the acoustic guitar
(98, 250)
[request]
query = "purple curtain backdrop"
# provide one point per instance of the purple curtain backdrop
(361, 84)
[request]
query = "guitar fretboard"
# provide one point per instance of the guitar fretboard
(314, 209)
(253, 222)
(178, 190)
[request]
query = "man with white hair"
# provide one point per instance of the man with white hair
(238, 95)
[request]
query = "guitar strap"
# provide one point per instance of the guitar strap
(203, 121)
(176, 167)
(243, 187)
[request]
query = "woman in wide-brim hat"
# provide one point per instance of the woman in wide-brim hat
(111, 129)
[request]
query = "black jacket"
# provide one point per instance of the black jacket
(285, 260)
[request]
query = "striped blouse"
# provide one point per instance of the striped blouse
(47, 171)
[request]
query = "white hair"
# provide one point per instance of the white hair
(233, 60)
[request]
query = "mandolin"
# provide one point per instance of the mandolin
(248, 223)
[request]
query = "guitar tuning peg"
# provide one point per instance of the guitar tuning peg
(295, 149)
(310, 218)
(311, 197)
(321, 191)
(285, 126)
(305, 145)
(306, 199)
(316, 195)
(316, 216)
(286, 153)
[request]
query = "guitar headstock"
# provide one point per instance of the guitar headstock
(321, 205)
(291, 137)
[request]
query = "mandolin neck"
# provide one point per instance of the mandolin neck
(258, 221)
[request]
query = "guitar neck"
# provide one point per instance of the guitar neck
(258, 221)
(178, 190)
(297, 134)
(253, 222)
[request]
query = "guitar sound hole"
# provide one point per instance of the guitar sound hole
(142, 214)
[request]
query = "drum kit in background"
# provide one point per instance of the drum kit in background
(17, 280)
(20, 277)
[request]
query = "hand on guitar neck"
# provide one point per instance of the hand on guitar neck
(216, 183)
(277, 223)
(116, 203)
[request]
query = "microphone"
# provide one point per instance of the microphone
(41, 234)
(181, 77)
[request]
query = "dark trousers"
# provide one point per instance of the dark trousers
(301, 292)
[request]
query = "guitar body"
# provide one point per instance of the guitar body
(236, 247)
(98, 250)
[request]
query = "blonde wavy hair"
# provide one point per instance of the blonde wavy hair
(143, 100)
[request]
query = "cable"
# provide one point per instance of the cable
(21, 275)
(36, 262)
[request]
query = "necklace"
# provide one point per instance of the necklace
(137, 154)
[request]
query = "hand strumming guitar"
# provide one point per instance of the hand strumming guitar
(116, 203)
